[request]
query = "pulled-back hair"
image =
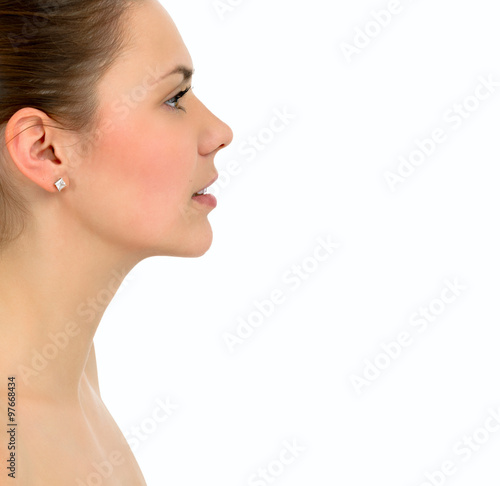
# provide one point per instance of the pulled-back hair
(52, 55)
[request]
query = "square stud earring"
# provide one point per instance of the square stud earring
(60, 184)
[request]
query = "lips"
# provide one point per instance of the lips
(203, 190)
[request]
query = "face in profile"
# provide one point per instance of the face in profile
(134, 189)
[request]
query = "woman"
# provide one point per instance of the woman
(104, 147)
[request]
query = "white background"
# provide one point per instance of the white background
(323, 176)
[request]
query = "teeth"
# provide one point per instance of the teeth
(204, 191)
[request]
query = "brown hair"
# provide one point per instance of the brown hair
(52, 55)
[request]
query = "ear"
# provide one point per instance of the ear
(32, 145)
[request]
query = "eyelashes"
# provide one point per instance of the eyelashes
(173, 103)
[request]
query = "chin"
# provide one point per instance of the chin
(193, 246)
(199, 247)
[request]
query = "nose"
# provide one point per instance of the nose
(214, 133)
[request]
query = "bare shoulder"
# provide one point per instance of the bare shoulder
(59, 445)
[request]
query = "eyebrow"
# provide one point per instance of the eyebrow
(186, 72)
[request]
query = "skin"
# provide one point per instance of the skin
(128, 198)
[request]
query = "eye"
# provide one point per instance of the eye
(174, 102)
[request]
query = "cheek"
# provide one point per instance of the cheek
(151, 164)
(143, 179)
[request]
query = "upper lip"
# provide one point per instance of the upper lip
(209, 184)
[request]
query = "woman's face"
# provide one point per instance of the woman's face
(135, 187)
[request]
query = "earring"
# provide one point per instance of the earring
(60, 184)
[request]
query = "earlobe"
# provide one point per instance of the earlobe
(60, 184)
(29, 140)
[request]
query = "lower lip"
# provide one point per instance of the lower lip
(206, 199)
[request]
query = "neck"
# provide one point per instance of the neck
(53, 293)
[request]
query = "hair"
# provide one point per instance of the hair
(53, 53)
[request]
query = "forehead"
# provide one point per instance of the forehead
(153, 31)
(154, 46)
